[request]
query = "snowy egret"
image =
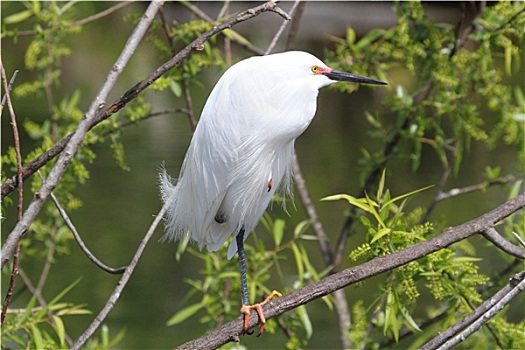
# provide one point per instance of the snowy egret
(242, 152)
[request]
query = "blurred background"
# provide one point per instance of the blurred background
(119, 206)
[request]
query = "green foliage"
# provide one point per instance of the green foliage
(447, 275)
(444, 94)
(186, 73)
(40, 327)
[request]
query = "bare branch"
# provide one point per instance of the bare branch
(121, 283)
(478, 317)
(189, 105)
(80, 242)
(522, 242)
(18, 153)
(478, 187)
(247, 45)
(9, 87)
(296, 20)
(322, 237)
(281, 29)
(327, 285)
(492, 235)
(84, 20)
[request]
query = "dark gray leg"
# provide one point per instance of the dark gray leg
(242, 267)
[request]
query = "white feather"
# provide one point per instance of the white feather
(245, 137)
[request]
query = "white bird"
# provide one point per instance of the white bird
(242, 152)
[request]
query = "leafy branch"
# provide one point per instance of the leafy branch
(231, 331)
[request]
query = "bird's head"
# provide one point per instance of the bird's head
(298, 65)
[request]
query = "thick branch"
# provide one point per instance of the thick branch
(232, 330)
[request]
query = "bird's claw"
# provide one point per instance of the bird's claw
(246, 310)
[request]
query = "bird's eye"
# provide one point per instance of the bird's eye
(315, 69)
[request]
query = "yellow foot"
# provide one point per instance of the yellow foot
(246, 310)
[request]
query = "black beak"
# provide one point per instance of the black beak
(344, 76)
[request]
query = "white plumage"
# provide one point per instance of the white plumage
(242, 149)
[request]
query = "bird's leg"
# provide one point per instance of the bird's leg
(246, 307)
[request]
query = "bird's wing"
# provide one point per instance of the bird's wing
(195, 199)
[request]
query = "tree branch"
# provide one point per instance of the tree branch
(80, 242)
(478, 317)
(492, 235)
(9, 87)
(281, 29)
(83, 21)
(478, 187)
(327, 285)
(121, 283)
(18, 153)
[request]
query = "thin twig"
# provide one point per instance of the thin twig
(440, 188)
(478, 187)
(189, 105)
(235, 37)
(149, 116)
(121, 283)
(48, 262)
(9, 87)
(18, 154)
(78, 137)
(84, 20)
(281, 29)
(83, 247)
(522, 242)
(488, 309)
(294, 27)
(304, 196)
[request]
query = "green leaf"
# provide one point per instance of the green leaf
(60, 330)
(407, 194)
(64, 292)
(301, 228)
(37, 337)
(369, 38)
(176, 88)
(104, 337)
(407, 316)
(278, 231)
(18, 17)
(184, 314)
(305, 320)
(357, 202)
(298, 261)
(381, 185)
(382, 232)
